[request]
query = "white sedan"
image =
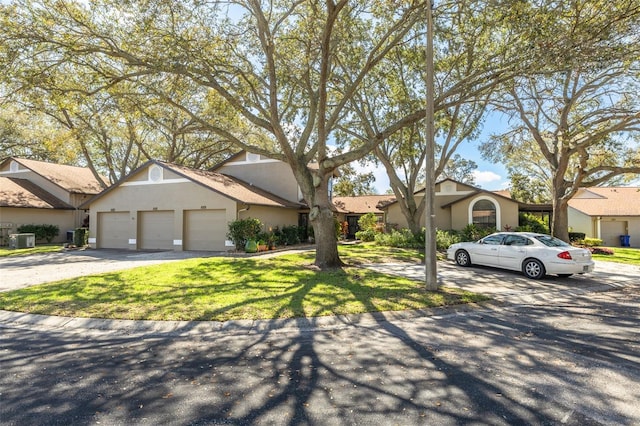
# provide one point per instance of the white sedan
(534, 254)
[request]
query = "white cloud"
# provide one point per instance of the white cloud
(486, 177)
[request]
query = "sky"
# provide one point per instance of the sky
(489, 176)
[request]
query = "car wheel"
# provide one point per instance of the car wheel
(462, 258)
(564, 275)
(533, 268)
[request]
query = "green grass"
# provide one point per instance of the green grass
(236, 288)
(44, 248)
(621, 255)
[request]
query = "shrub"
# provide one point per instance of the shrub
(290, 235)
(601, 250)
(368, 221)
(242, 230)
(576, 236)
(445, 238)
(403, 238)
(531, 223)
(81, 237)
(472, 233)
(366, 235)
(42, 232)
(591, 242)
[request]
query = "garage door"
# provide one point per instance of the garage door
(155, 230)
(113, 230)
(610, 232)
(205, 230)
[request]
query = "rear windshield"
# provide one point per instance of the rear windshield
(551, 241)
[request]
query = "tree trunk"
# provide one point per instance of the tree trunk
(560, 219)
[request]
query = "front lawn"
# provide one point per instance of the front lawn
(43, 248)
(621, 255)
(226, 288)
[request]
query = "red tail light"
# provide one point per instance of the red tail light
(565, 255)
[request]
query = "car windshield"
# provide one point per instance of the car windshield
(551, 241)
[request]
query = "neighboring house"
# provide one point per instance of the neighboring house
(39, 193)
(607, 213)
(350, 209)
(458, 205)
(162, 206)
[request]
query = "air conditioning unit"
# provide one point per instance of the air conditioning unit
(19, 241)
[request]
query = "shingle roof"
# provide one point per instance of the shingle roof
(361, 204)
(22, 193)
(607, 201)
(232, 187)
(79, 180)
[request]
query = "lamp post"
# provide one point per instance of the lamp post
(431, 277)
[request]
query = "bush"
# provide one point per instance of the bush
(472, 233)
(81, 237)
(601, 250)
(403, 238)
(366, 235)
(531, 223)
(445, 238)
(42, 232)
(368, 222)
(576, 236)
(591, 242)
(242, 230)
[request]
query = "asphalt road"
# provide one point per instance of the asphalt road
(569, 357)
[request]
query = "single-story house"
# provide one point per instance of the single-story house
(40, 193)
(350, 209)
(458, 205)
(607, 213)
(163, 206)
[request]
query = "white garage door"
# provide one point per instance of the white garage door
(155, 230)
(205, 230)
(610, 232)
(113, 230)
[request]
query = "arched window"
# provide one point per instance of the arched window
(484, 214)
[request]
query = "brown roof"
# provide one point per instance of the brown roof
(607, 201)
(232, 187)
(79, 180)
(361, 204)
(22, 193)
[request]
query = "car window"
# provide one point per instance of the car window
(550, 241)
(493, 240)
(517, 240)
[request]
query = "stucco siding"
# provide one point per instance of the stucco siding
(165, 196)
(12, 218)
(271, 216)
(580, 222)
(275, 177)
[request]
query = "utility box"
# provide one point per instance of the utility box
(20, 241)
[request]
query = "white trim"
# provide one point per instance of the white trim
(155, 174)
(9, 172)
(495, 203)
(91, 240)
(132, 241)
(245, 162)
(177, 242)
(146, 182)
(447, 194)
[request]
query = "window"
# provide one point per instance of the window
(484, 214)
(155, 173)
(493, 240)
(517, 240)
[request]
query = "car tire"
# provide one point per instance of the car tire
(564, 275)
(533, 268)
(462, 258)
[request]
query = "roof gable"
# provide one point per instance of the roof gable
(362, 204)
(73, 179)
(607, 201)
(22, 193)
(227, 186)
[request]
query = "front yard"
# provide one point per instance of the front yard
(226, 288)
